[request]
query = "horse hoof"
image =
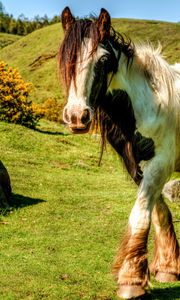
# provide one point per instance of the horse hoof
(130, 291)
(166, 277)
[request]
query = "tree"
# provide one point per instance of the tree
(2, 9)
(45, 20)
(22, 25)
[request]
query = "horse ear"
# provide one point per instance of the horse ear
(104, 24)
(67, 18)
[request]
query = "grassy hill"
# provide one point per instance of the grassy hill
(8, 39)
(35, 54)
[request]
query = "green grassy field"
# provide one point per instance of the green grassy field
(60, 238)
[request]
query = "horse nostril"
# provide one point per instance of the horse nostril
(73, 119)
(66, 117)
(85, 118)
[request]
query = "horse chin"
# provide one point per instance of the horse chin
(80, 130)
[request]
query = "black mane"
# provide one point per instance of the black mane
(117, 123)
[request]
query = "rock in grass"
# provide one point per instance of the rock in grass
(171, 190)
(5, 187)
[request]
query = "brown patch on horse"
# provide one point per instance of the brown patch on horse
(67, 19)
(132, 254)
(104, 24)
(166, 255)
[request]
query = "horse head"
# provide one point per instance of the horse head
(86, 60)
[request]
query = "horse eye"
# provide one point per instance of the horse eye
(103, 59)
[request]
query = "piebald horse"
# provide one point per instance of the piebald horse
(133, 95)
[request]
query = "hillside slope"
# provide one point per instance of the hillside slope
(36, 54)
(8, 39)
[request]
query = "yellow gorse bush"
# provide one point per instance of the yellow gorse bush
(52, 110)
(15, 106)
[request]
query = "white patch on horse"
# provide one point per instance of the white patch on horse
(80, 90)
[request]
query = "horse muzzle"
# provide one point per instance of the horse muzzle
(78, 118)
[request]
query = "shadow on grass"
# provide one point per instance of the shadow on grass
(50, 132)
(170, 293)
(19, 201)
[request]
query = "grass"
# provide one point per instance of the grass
(8, 39)
(60, 238)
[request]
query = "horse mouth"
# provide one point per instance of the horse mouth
(75, 129)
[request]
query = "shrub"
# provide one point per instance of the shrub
(15, 107)
(52, 110)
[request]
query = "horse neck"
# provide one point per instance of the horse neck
(132, 80)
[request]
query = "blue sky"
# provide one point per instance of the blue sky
(165, 10)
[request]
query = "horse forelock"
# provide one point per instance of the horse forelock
(71, 46)
(75, 37)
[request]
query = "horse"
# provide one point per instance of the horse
(132, 95)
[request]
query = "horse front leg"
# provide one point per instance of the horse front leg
(131, 266)
(166, 262)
